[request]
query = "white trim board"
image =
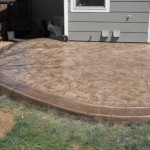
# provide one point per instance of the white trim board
(148, 39)
(65, 17)
(74, 8)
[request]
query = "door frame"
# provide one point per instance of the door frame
(66, 18)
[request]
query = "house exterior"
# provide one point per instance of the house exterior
(99, 20)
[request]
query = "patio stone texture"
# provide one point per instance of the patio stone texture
(103, 78)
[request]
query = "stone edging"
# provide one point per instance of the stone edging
(20, 91)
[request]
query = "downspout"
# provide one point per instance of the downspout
(148, 39)
(65, 20)
(11, 37)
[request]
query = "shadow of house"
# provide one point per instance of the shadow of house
(3, 19)
(15, 16)
(45, 11)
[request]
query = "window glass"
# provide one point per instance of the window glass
(90, 3)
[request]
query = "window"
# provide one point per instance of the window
(90, 5)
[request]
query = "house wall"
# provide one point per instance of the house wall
(83, 25)
(46, 9)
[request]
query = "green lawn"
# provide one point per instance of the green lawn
(40, 128)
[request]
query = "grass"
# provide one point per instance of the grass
(40, 128)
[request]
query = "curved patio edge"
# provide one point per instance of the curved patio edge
(125, 114)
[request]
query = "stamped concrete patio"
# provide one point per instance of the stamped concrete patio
(111, 75)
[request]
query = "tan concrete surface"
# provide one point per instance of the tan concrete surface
(102, 74)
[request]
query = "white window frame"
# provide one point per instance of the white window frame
(75, 8)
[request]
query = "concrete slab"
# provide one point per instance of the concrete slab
(95, 79)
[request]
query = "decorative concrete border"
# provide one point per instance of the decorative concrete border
(20, 91)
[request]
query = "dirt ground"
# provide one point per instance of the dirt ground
(6, 121)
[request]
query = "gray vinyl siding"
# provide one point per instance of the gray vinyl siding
(83, 25)
(46, 9)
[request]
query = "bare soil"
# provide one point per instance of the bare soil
(6, 121)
